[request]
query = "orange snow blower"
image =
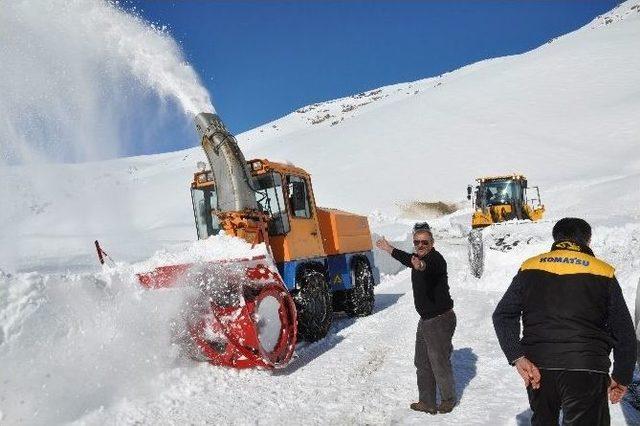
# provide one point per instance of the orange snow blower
(250, 312)
(245, 317)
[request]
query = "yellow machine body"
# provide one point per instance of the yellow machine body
(498, 199)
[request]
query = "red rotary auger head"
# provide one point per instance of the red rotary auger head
(245, 317)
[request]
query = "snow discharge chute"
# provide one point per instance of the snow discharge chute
(228, 165)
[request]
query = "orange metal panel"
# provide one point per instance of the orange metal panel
(265, 166)
(343, 232)
(299, 243)
(279, 248)
(304, 239)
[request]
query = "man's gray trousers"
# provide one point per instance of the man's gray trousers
(433, 358)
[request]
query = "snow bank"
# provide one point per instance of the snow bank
(81, 341)
(216, 247)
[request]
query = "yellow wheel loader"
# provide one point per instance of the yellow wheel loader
(500, 198)
(496, 200)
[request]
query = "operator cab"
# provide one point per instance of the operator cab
(280, 190)
(500, 192)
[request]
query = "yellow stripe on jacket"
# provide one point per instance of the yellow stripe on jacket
(567, 262)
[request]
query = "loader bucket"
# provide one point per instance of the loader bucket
(244, 316)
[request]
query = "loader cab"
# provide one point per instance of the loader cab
(501, 198)
(498, 191)
(501, 192)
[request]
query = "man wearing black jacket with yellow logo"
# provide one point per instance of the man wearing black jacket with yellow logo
(573, 313)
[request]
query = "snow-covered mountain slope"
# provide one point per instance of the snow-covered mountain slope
(88, 346)
(565, 114)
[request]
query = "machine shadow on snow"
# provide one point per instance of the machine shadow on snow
(307, 352)
(464, 363)
(383, 301)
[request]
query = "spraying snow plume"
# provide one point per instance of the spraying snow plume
(81, 77)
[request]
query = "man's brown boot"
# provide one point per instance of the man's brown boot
(446, 406)
(422, 406)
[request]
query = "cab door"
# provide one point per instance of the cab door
(304, 239)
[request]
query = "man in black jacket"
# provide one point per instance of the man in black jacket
(437, 320)
(573, 313)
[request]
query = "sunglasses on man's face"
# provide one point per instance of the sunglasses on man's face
(421, 242)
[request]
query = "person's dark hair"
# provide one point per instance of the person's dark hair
(572, 229)
(421, 226)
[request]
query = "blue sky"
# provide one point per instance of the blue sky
(261, 60)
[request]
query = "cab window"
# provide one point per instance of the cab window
(205, 204)
(298, 197)
(501, 192)
(270, 199)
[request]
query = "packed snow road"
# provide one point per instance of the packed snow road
(362, 373)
